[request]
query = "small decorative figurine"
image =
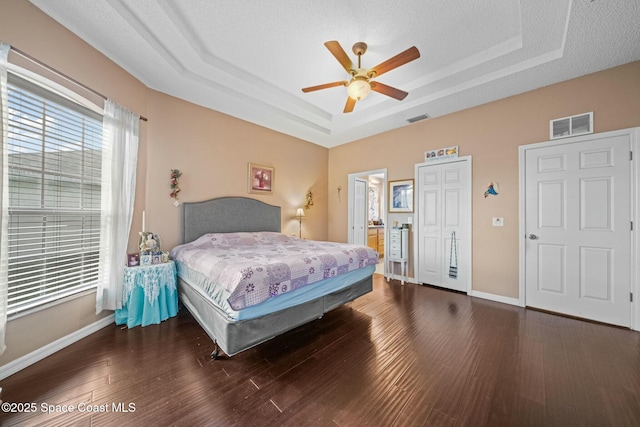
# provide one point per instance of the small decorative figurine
(149, 242)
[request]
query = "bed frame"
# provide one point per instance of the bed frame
(238, 214)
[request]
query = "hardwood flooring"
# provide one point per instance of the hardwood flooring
(400, 356)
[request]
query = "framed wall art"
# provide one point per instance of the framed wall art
(261, 179)
(401, 196)
(441, 154)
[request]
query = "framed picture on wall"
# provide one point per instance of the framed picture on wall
(261, 179)
(401, 196)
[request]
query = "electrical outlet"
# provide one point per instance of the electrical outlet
(498, 222)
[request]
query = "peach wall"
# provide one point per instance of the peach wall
(213, 150)
(491, 134)
(24, 26)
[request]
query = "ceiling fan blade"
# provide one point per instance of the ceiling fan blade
(349, 105)
(324, 86)
(398, 60)
(388, 90)
(339, 53)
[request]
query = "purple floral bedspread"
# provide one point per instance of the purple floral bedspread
(254, 267)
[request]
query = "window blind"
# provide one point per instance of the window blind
(55, 161)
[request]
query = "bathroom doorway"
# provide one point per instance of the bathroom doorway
(367, 213)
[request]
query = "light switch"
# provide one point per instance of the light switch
(498, 221)
(410, 220)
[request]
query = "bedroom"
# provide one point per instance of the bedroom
(213, 149)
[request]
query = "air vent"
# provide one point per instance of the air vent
(571, 126)
(418, 118)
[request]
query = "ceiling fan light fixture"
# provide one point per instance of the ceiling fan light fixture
(358, 88)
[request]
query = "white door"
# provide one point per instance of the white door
(361, 190)
(443, 207)
(578, 228)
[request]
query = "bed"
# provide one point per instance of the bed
(233, 324)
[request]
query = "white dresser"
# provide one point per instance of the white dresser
(398, 252)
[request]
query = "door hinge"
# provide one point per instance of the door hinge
(631, 225)
(630, 155)
(631, 297)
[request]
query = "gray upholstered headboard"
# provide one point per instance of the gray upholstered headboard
(228, 215)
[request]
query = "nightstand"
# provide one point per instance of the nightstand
(398, 251)
(149, 295)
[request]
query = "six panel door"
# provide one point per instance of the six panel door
(578, 228)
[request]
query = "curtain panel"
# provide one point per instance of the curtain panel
(119, 160)
(4, 194)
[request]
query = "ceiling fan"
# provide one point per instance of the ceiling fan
(361, 80)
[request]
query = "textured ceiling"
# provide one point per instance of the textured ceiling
(250, 59)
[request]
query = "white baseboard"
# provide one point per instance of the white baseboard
(39, 354)
(494, 297)
(478, 294)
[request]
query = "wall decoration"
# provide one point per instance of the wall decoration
(441, 154)
(261, 179)
(309, 198)
(175, 189)
(401, 196)
(492, 190)
(374, 205)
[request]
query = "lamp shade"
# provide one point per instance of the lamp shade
(358, 88)
(300, 213)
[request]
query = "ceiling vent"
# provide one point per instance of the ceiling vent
(418, 118)
(571, 126)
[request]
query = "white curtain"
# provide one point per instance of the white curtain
(119, 159)
(4, 193)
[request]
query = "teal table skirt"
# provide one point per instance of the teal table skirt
(149, 295)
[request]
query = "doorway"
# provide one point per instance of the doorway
(366, 212)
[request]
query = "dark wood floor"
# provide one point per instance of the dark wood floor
(402, 355)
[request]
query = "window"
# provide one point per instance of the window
(54, 151)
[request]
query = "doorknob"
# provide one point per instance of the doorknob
(533, 237)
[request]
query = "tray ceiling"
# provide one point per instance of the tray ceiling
(250, 59)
